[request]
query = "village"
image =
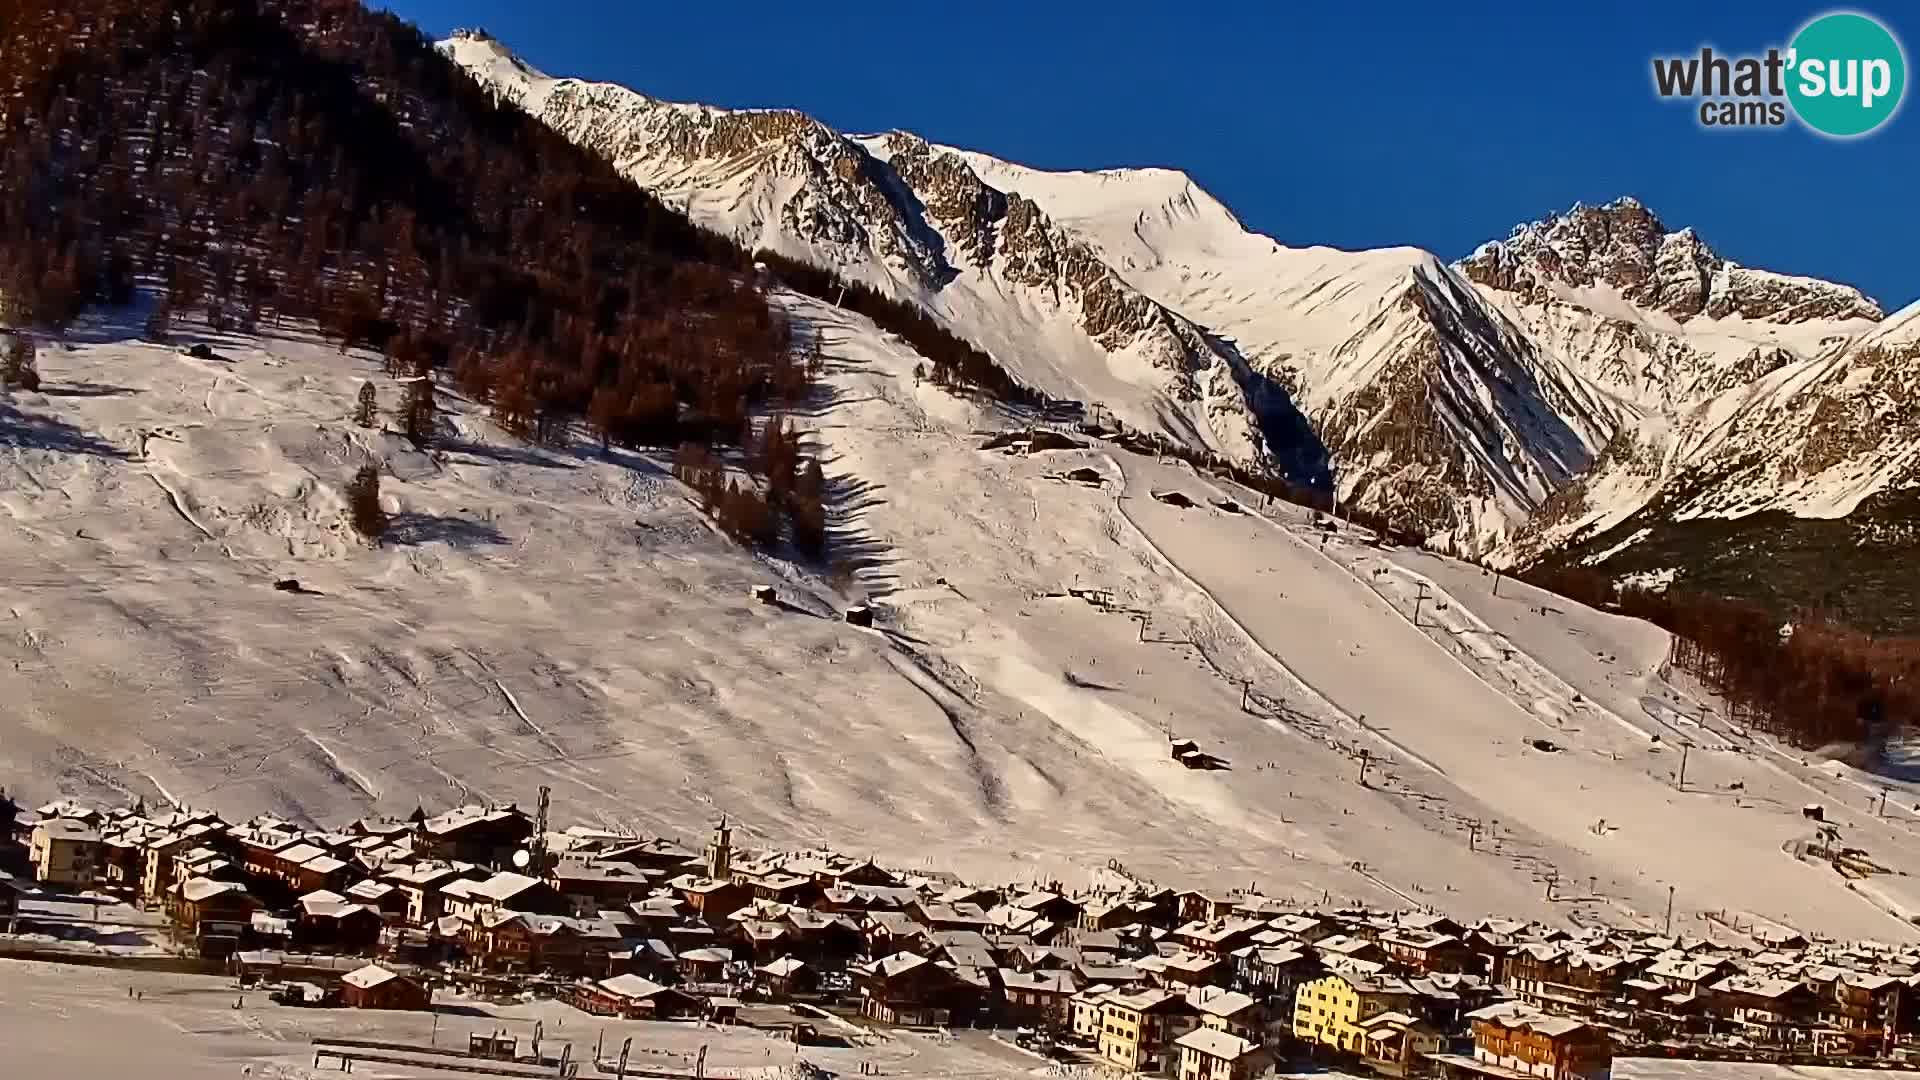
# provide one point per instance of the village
(488, 901)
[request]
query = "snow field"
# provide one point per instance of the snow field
(564, 616)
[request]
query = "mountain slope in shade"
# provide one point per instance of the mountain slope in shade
(1834, 439)
(916, 223)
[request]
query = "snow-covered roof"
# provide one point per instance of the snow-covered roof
(368, 977)
(462, 817)
(898, 964)
(299, 853)
(370, 890)
(68, 830)
(1050, 982)
(502, 886)
(1216, 1044)
(198, 889)
(1225, 1003)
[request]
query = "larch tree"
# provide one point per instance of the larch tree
(17, 364)
(364, 511)
(367, 412)
(421, 409)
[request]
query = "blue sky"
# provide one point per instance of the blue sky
(1356, 125)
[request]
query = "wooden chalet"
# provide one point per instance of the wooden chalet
(1219, 937)
(1397, 1044)
(328, 921)
(383, 897)
(1560, 980)
(1516, 1042)
(1276, 971)
(709, 898)
(631, 997)
(1050, 906)
(786, 977)
(517, 941)
(376, 987)
(1192, 969)
(1196, 905)
(706, 965)
(662, 856)
(1039, 998)
(913, 991)
(484, 835)
(503, 891)
(1777, 1012)
(591, 885)
(1424, 952)
(1858, 1010)
(210, 916)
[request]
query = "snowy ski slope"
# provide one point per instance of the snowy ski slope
(563, 616)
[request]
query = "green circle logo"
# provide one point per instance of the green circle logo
(1846, 76)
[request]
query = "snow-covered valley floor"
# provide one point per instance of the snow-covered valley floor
(565, 617)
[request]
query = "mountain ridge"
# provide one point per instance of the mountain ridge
(990, 266)
(1473, 399)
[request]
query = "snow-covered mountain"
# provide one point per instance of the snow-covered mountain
(1459, 398)
(1654, 315)
(918, 223)
(1758, 391)
(564, 615)
(1432, 405)
(1816, 458)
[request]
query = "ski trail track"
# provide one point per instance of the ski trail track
(1596, 795)
(1294, 678)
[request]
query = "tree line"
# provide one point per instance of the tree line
(1802, 677)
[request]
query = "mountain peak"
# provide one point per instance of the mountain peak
(1623, 246)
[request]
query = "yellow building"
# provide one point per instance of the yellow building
(1331, 1010)
(64, 852)
(1087, 1011)
(1137, 1030)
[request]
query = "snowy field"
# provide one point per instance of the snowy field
(81, 1022)
(564, 616)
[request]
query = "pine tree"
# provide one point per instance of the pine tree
(17, 365)
(807, 510)
(421, 409)
(368, 411)
(364, 511)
